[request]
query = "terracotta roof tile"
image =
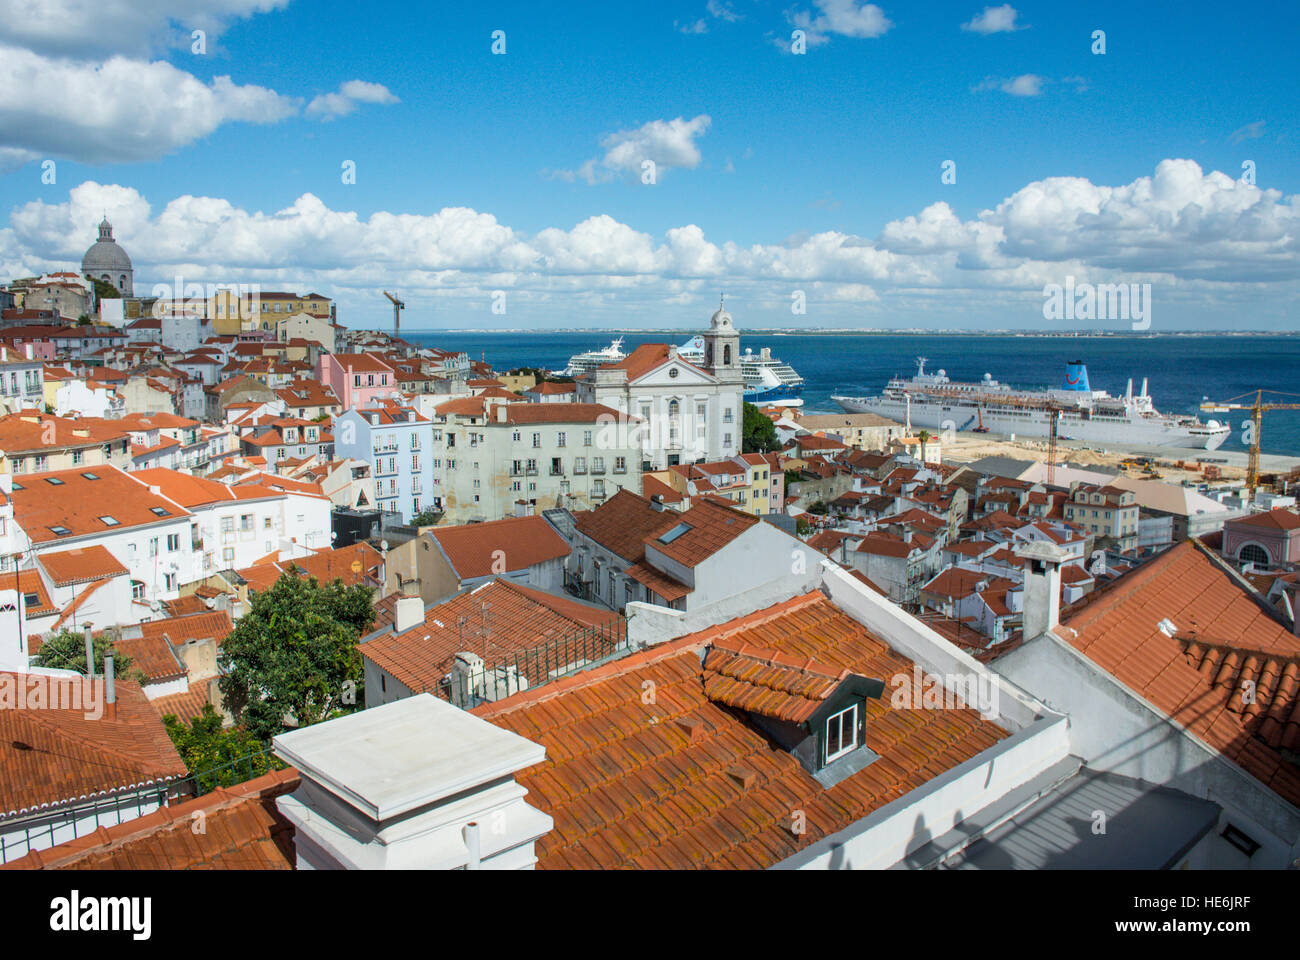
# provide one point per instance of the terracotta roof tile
(56, 754)
(244, 830)
(661, 799)
(82, 565)
(1224, 637)
(623, 523)
(519, 542)
(710, 527)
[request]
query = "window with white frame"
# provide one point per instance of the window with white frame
(841, 733)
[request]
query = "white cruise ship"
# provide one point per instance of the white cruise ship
(932, 401)
(581, 363)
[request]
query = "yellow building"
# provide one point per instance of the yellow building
(239, 311)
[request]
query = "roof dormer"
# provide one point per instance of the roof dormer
(814, 711)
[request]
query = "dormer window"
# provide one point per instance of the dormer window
(841, 737)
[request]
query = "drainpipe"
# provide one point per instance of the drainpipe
(472, 845)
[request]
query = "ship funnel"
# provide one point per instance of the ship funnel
(1128, 391)
(1144, 386)
(1076, 377)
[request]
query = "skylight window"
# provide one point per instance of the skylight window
(54, 481)
(159, 511)
(674, 533)
(60, 531)
(91, 476)
(109, 521)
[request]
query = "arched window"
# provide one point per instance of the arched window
(121, 282)
(1254, 553)
(674, 408)
(726, 355)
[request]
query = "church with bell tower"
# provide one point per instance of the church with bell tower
(722, 347)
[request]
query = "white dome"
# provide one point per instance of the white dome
(721, 319)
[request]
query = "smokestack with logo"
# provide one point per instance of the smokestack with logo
(1076, 377)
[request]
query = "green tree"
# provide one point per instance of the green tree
(792, 476)
(818, 507)
(802, 527)
(204, 745)
(759, 433)
(103, 291)
(66, 650)
(426, 518)
(924, 437)
(293, 658)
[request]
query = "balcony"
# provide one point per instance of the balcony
(580, 469)
(531, 472)
(555, 473)
(597, 471)
(618, 469)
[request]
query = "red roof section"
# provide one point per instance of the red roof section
(514, 543)
(80, 565)
(1224, 635)
(682, 781)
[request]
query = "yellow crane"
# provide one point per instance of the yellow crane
(398, 307)
(1256, 409)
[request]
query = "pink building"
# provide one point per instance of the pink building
(358, 379)
(1268, 539)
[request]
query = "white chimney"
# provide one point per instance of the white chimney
(410, 613)
(29, 349)
(394, 788)
(501, 413)
(1042, 601)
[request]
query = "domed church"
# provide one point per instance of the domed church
(106, 261)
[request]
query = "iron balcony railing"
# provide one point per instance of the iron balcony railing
(530, 668)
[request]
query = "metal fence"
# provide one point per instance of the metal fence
(237, 771)
(474, 681)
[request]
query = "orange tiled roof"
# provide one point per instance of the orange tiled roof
(53, 755)
(712, 527)
(684, 781)
(244, 830)
(1277, 519)
(767, 681)
(471, 548)
(1225, 635)
(502, 618)
(80, 565)
(526, 413)
(76, 503)
(325, 565)
(30, 581)
(31, 432)
(657, 581)
(624, 522)
(185, 707)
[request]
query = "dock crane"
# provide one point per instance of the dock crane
(1256, 419)
(398, 307)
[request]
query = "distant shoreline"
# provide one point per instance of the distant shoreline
(839, 332)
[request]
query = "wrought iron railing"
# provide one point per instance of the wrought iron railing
(483, 682)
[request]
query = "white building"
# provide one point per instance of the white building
(690, 412)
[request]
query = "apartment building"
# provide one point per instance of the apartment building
(237, 525)
(400, 447)
(358, 379)
(496, 459)
(33, 442)
(1106, 511)
(22, 380)
(103, 506)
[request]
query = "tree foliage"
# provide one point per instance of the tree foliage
(802, 527)
(66, 650)
(293, 658)
(203, 745)
(426, 518)
(818, 507)
(759, 434)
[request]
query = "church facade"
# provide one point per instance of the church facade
(687, 413)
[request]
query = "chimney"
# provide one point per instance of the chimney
(1042, 597)
(501, 413)
(410, 613)
(29, 351)
(657, 502)
(110, 689)
(90, 653)
(395, 787)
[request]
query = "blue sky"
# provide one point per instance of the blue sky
(776, 173)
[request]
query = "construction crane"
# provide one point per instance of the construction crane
(1256, 420)
(398, 307)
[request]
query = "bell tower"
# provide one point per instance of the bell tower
(722, 346)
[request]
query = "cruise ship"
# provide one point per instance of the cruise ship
(581, 363)
(769, 382)
(932, 401)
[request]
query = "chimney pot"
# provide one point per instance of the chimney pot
(409, 613)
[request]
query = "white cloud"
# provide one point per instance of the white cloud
(1025, 85)
(994, 20)
(721, 10)
(667, 143)
(1205, 234)
(328, 106)
(692, 29)
(101, 28)
(122, 110)
(846, 18)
